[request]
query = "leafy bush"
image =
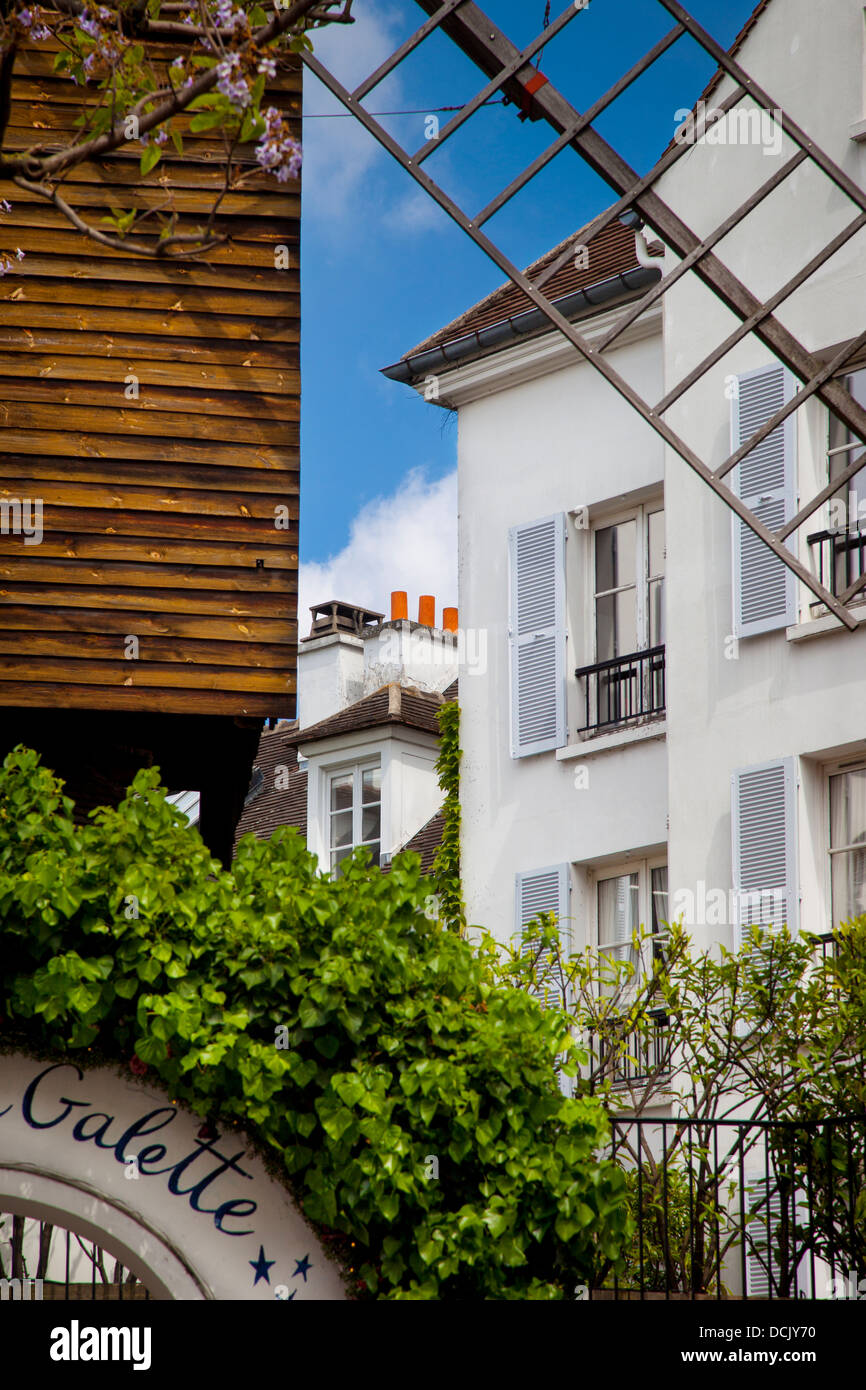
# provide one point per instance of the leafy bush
(412, 1108)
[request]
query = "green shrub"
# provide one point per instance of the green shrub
(405, 1050)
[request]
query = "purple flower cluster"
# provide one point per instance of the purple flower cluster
(39, 33)
(232, 83)
(267, 66)
(227, 17)
(277, 151)
(89, 24)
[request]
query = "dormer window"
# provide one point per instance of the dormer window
(355, 813)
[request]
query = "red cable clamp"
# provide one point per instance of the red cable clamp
(530, 88)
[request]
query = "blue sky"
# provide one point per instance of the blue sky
(382, 266)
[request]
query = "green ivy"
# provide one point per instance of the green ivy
(446, 865)
(413, 1109)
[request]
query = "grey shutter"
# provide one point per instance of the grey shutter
(546, 890)
(764, 848)
(772, 1266)
(536, 633)
(765, 593)
(543, 890)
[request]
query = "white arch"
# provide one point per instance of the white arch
(26, 1191)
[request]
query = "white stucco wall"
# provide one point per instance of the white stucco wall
(778, 697)
(550, 444)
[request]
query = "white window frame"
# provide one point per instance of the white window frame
(356, 767)
(835, 769)
(643, 867)
(640, 513)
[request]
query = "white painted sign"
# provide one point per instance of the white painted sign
(192, 1212)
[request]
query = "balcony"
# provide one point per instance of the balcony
(625, 690)
(637, 1060)
(838, 560)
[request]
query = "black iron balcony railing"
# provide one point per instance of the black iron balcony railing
(838, 559)
(624, 689)
(633, 1061)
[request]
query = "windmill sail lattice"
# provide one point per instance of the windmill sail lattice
(511, 72)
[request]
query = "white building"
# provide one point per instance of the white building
(359, 765)
(664, 717)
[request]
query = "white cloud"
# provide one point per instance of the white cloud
(339, 154)
(405, 541)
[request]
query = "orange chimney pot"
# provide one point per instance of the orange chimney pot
(449, 619)
(399, 605)
(427, 610)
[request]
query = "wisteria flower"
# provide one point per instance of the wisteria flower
(5, 206)
(268, 67)
(19, 254)
(277, 151)
(232, 83)
(89, 24)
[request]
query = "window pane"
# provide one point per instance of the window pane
(660, 898)
(374, 852)
(341, 829)
(848, 808)
(656, 612)
(617, 909)
(849, 885)
(336, 859)
(371, 784)
(840, 434)
(656, 543)
(615, 551)
(371, 821)
(618, 918)
(848, 827)
(341, 792)
(616, 625)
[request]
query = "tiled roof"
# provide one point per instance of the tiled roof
(393, 704)
(272, 805)
(425, 842)
(611, 253)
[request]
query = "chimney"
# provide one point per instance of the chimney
(399, 605)
(331, 659)
(427, 610)
(449, 619)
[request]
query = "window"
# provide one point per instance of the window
(637, 896)
(848, 844)
(355, 813)
(842, 558)
(625, 901)
(629, 584)
(628, 620)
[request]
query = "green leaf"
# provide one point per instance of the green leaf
(150, 157)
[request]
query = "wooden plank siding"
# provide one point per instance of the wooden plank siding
(158, 512)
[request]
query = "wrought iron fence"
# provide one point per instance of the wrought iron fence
(39, 1260)
(741, 1209)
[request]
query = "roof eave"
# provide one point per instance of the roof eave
(484, 341)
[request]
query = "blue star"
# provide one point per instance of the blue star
(261, 1266)
(302, 1267)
